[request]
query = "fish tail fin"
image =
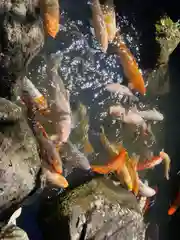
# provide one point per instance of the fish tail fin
(100, 169)
(172, 210)
(57, 179)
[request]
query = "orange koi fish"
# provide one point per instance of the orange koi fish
(51, 16)
(175, 205)
(99, 25)
(56, 179)
(149, 163)
(130, 66)
(110, 19)
(48, 149)
(115, 165)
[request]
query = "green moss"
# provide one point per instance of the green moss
(167, 29)
(76, 196)
(85, 194)
(167, 36)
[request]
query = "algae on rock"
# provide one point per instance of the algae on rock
(96, 209)
(168, 37)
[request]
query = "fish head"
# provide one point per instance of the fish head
(156, 115)
(56, 179)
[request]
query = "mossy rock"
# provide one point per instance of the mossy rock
(85, 194)
(168, 37)
(91, 209)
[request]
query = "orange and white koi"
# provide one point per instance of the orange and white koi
(51, 14)
(30, 94)
(115, 165)
(99, 25)
(175, 205)
(149, 201)
(110, 19)
(130, 66)
(149, 163)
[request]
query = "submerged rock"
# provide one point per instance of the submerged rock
(19, 165)
(95, 210)
(21, 39)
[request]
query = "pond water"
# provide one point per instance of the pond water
(85, 70)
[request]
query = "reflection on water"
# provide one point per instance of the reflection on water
(85, 70)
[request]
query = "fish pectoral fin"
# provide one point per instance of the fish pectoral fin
(101, 169)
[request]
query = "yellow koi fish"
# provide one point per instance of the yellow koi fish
(114, 150)
(99, 25)
(110, 19)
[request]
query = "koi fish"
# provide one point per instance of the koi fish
(128, 117)
(51, 15)
(99, 25)
(175, 205)
(80, 133)
(132, 166)
(126, 178)
(150, 201)
(56, 179)
(145, 190)
(150, 115)
(130, 66)
(114, 150)
(115, 165)
(48, 150)
(52, 165)
(31, 95)
(73, 157)
(149, 163)
(167, 162)
(110, 19)
(60, 101)
(120, 89)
